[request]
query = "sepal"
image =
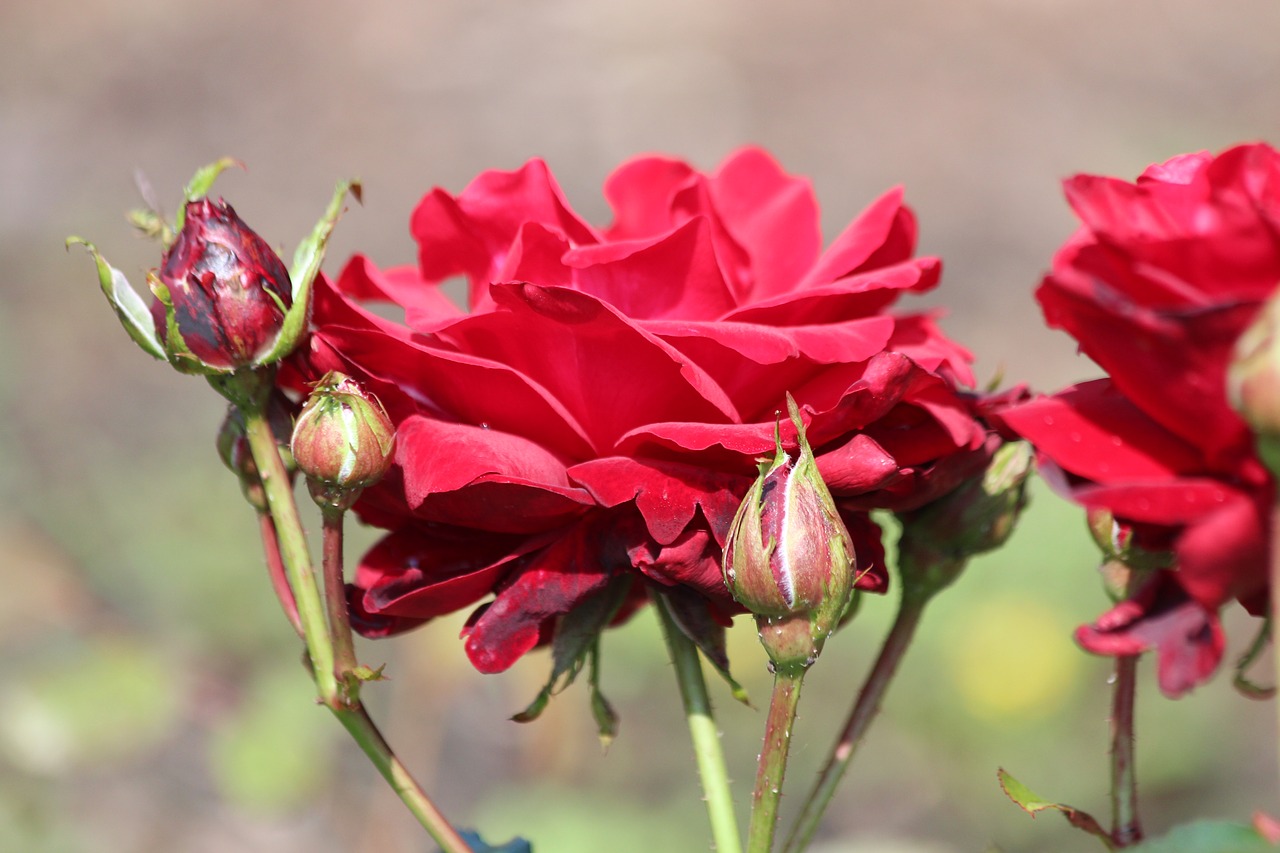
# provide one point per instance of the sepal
(306, 265)
(129, 306)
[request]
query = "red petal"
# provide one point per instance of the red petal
(857, 295)
(771, 215)
(675, 276)
(667, 494)
(605, 370)
(881, 224)
(420, 574)
(482, 478)
(464, 387)
(1188, 638)
(472, 233)
(557, 578)
(1095, 432)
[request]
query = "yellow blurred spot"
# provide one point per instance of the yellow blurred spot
(1012, 658)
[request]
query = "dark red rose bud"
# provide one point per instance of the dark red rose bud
(342, 441)
(224, 291)
(789, 558)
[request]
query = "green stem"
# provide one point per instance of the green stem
(773, 758)
(361, 727)
(702, 731)
(275, 569)
(335, 595)
(320, 646)
(293, 548)
(864, 711)
(1125, 827)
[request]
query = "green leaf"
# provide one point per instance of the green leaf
(129, 306)
(606, 718)
(689, 611)
(575, 637)
(201, 181)
(306, 265)
(1242, 682)
(478, 845)
(1032, 803)
(1207, 836)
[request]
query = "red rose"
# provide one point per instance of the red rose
(598, 413)
(1157, 286)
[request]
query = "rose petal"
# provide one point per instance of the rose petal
(857, 295)
(600, 366)
(471, 234)
(667, 494)
(573, 567)
(773, 216)
(1095, 432)
(1188, 638)
(461, 386)
(416, 573)
(677, 275)
(424, 304)
(482, 478)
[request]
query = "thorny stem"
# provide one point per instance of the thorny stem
(702, 731)
(336, 601)
(1125, 827)
(276, 570)
(860, 717)
(362, 729)
(320, 646)
(293, 549)
(773, 758)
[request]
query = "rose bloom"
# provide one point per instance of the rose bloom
(583, 435)
(1157, 285)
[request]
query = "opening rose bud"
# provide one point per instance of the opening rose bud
(221, 289)
(342, 441)
(789, 558)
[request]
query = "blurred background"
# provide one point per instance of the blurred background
(152, 698)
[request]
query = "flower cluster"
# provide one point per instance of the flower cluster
(1157, 286)
(595, 418)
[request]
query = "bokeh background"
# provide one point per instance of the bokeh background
(151, 697)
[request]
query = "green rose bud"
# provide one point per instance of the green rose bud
(978, 516)
(342, 441)
(789, 558)
(1253, 381)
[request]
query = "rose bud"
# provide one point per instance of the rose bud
(789, 558)
(978, 516)
(1127, 549)
(233, 447)
(342, 441)
(222, 292)
(1253, 380)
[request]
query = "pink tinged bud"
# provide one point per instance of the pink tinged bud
(342, 441)
(789, 558)
(222, 289)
